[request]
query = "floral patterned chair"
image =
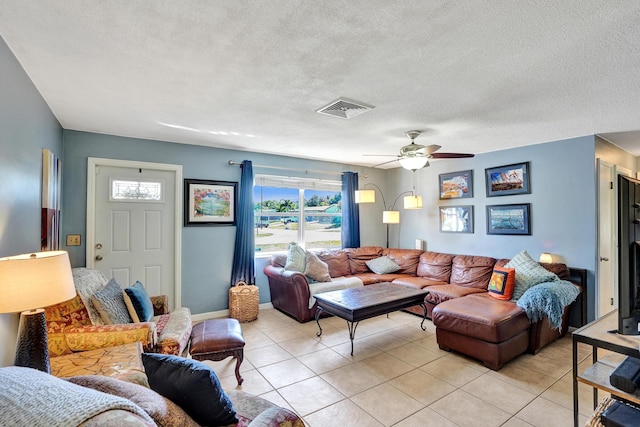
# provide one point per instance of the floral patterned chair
(76, 325)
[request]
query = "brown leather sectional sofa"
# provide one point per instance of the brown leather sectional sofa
(466, 317)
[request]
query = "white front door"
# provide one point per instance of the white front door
(135, 223)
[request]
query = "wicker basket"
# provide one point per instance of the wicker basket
(243, 302)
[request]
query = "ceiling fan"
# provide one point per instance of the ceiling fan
(415, 156)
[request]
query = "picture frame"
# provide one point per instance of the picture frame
(456, 185)
(456, 219)
(512, 219)
(508, 180)
(209, 202)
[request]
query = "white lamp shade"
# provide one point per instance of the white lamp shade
(413, 202)
(390, 217)
(365, 196)
(546, 258)
(35, 280)
(413, 163)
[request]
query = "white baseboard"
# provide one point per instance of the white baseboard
(221, 313)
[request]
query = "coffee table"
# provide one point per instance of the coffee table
(356, 304)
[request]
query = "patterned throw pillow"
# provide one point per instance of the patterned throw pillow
(382, 265)
(296, 258)
(528, 273)
(502, 283)
(316, 269)
(59, 316)
(110, 304)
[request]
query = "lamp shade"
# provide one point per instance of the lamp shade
(390, 217)
(365, 196)
(35, 280)
(546, 258)
(413, 162)
(413, 202)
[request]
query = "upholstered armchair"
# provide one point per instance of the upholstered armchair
(76, 325)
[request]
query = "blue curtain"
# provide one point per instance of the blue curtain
(244, 251)
(350, 211)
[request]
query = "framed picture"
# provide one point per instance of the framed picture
(456, 185)
(209, 202)
(508, 180)
(456, 219)
(509, 219)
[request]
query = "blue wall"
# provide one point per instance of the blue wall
(207, 252)
(26, 127)
(563, 206)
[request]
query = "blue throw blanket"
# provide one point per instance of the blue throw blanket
(548, 299)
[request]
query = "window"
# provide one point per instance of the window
(302, 210)
(123, 190)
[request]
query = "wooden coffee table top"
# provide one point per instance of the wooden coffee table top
(356, 304)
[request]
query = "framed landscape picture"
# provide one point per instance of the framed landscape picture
(456, 185)
(456, 219)
(209, 202)
(508, 180)
(509, 219)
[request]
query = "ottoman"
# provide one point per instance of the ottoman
(217, 339)
(485, 328)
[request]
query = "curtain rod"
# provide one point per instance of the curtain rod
(233, 162)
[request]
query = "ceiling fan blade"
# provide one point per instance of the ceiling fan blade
(432, 148)
(450, 155)
(384, 163)
(380, 155)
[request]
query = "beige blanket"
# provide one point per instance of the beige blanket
(336, 284)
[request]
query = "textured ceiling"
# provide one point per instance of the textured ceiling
(475, 76)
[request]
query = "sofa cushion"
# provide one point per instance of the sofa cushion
(417, 282)
(337, 261)
(192, 385)
(435, 266)
(316, 269)
(296, 258)
(441, 293)
(382, 265)
(502, 282)
(87, 281)
(559, 269)
(472, 271)
(528, 273)
(162, 410)
(359, 256)
(109, 302)
(60, 316)
(407, 259)
(138, 303)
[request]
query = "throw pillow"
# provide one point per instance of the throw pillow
(382, 265)
(502, 282)
(316, 269)
(110, 304)
(192, 385)
(164, 412)
(528, 273)
(296, 258)
(138, 303)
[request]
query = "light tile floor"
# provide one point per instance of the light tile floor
(398, 376)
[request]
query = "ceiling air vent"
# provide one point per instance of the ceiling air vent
(345, 108)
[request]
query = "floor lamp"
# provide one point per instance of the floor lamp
(29, 282)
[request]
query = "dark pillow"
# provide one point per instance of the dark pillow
(164, 412)
(138, 303)
(192, 385)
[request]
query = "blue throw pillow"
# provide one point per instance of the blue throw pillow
(192, 385)
(138, 303)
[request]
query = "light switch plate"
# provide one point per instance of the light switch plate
(73, 240)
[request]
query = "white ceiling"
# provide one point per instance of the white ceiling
(476, 76)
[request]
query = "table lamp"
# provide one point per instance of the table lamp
(29, 282)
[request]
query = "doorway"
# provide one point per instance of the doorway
(134, 224)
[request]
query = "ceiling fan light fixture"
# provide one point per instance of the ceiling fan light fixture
(413, 202)
(413, 163)
(365, 196)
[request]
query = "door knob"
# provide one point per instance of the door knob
(98, 257)
(604, 259)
